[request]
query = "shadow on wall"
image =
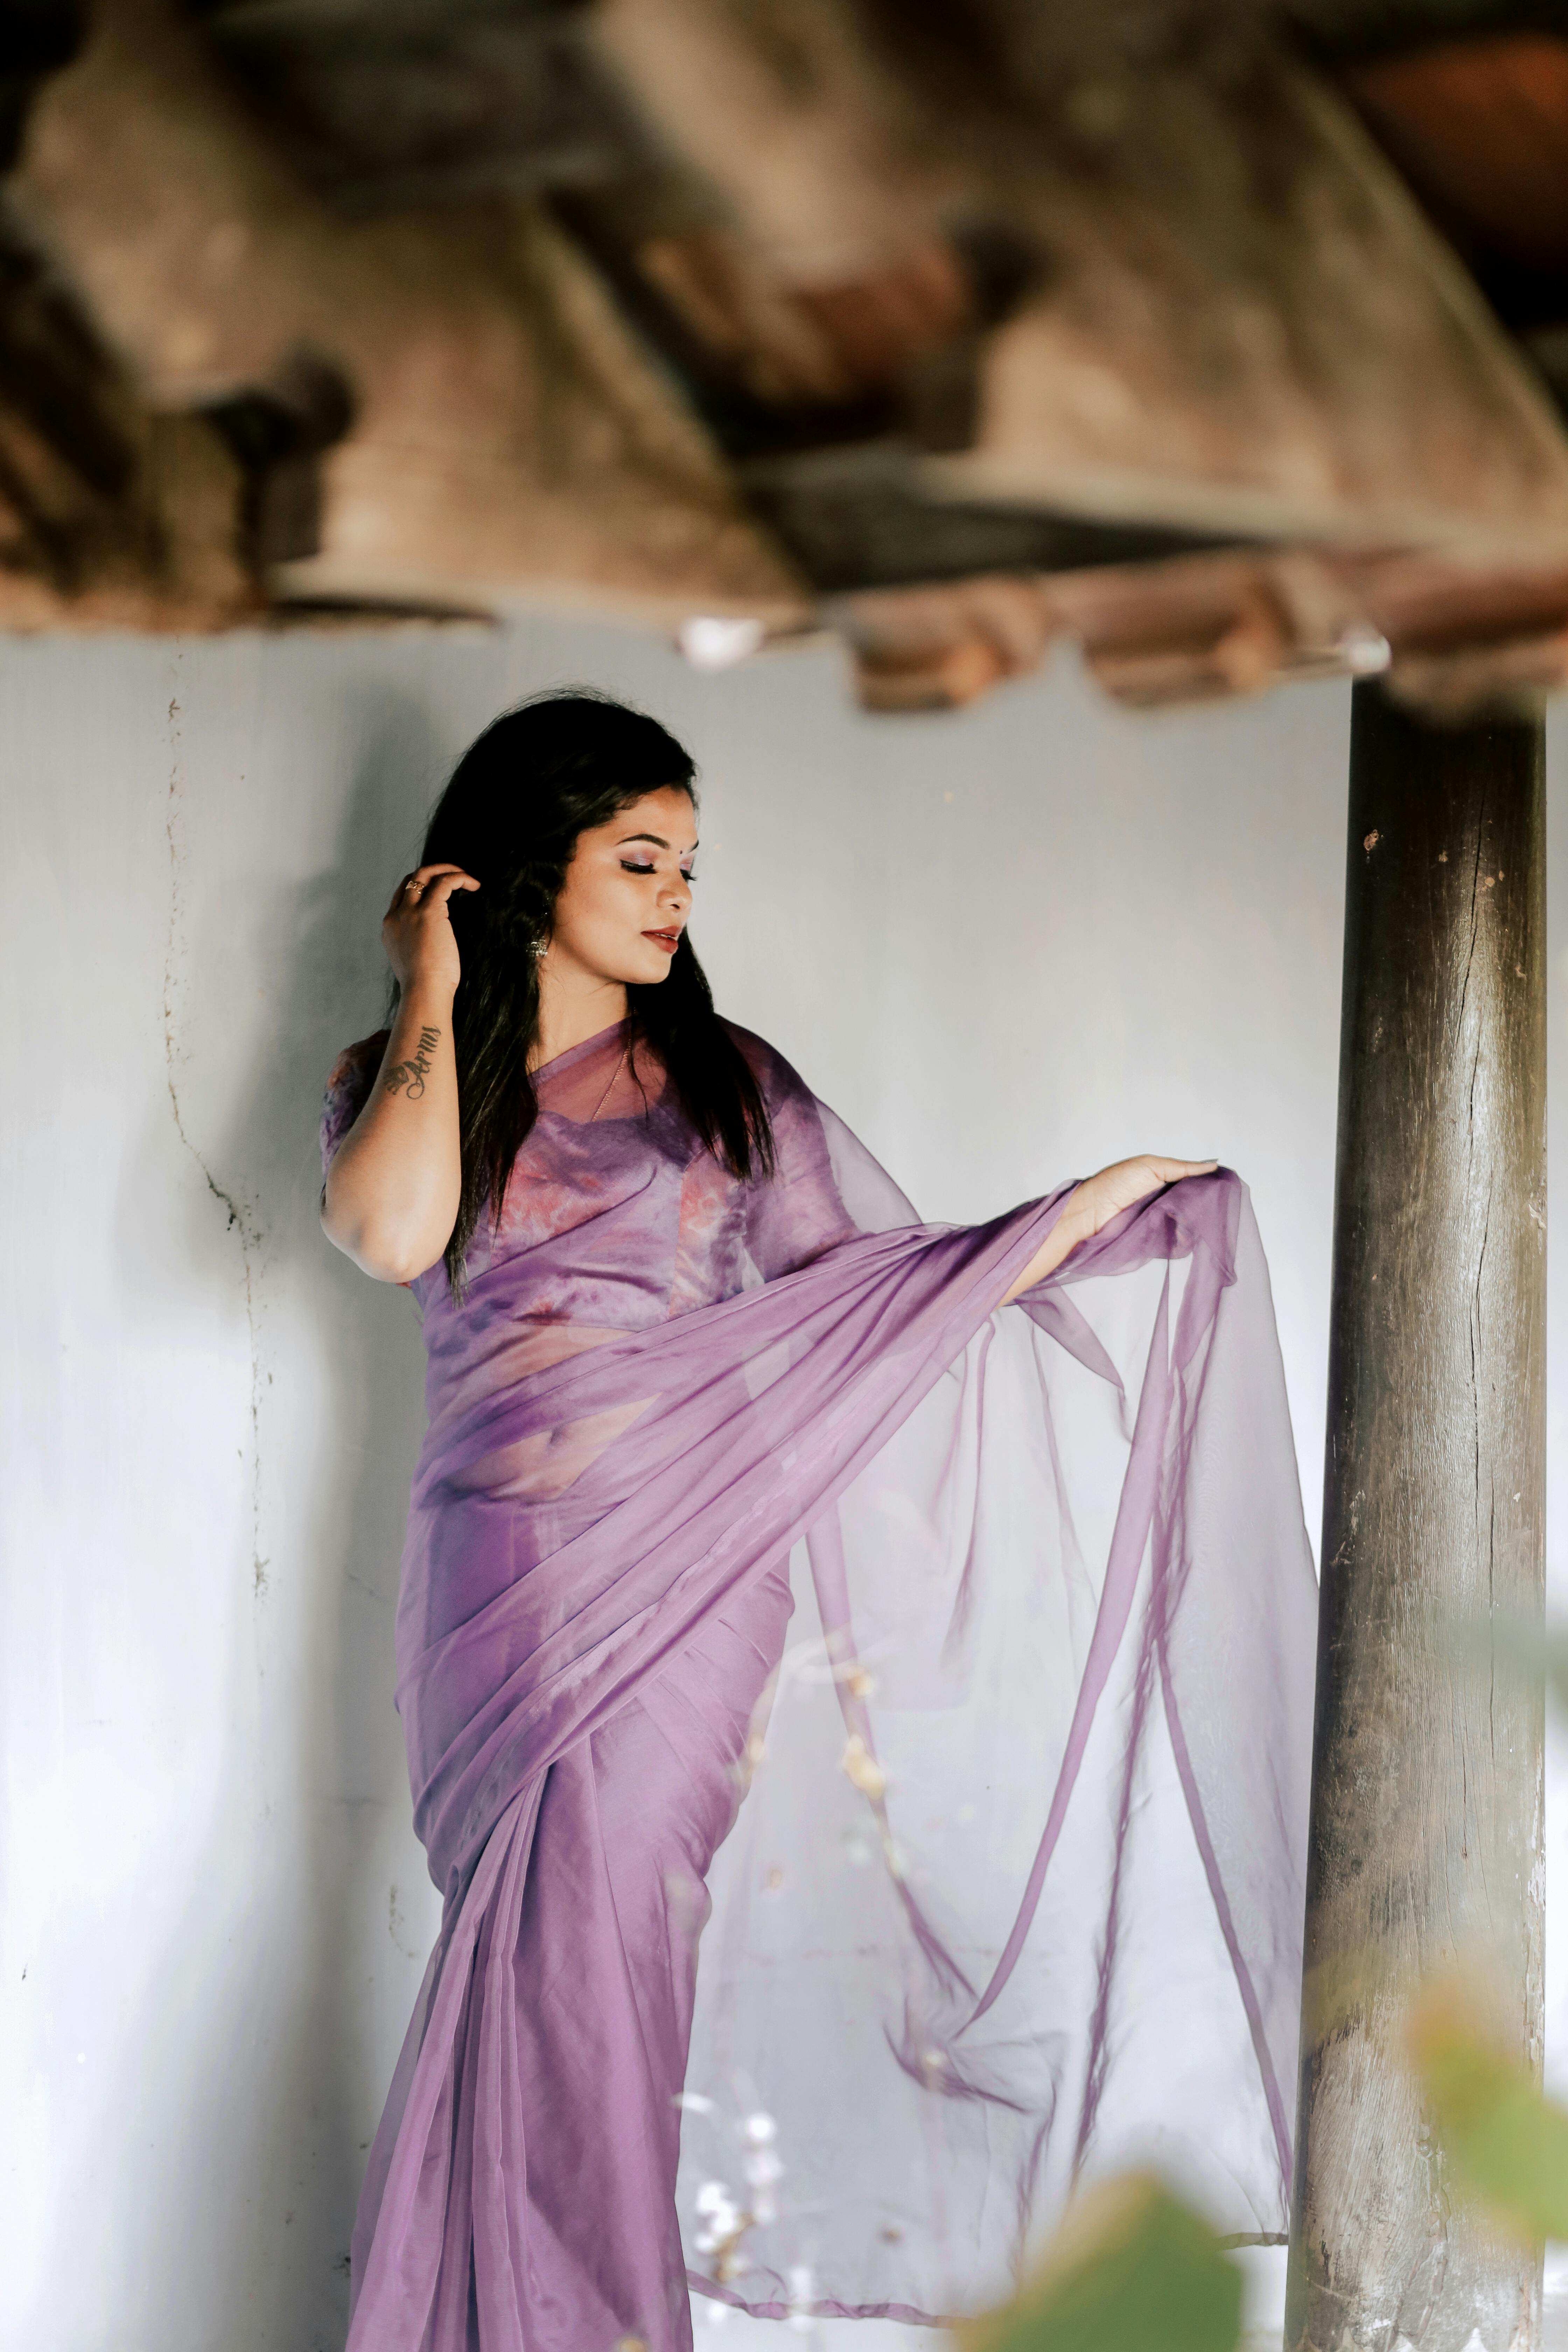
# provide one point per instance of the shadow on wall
(324, 1583)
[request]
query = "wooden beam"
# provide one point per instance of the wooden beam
(111, 516)
(1223, 311)
(508, 439)
(971, 326)
(1425, 1852)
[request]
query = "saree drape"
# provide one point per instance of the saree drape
(1000, 1624)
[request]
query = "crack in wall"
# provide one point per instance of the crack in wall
(241, 1217)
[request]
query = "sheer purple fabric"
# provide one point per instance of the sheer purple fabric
(1002, 1626)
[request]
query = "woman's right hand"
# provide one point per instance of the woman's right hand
(416, 931)
(392, 1191)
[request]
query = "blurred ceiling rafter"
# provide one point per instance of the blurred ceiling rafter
(956, 328)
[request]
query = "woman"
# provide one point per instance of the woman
(667, 1338)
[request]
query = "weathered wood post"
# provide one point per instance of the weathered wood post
(1426, 1781)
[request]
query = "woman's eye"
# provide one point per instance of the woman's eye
(629, 866)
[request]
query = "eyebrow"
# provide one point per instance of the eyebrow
(658, 840)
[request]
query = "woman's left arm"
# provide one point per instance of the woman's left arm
(1096, 1201)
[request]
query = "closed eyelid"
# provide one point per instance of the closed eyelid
(637, 862)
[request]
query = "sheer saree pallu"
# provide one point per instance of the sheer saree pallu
(1000, 1625)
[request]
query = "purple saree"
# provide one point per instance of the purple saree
(1002, 1625)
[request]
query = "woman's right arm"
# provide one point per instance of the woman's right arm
(392, 1193)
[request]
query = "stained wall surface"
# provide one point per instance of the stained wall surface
(1007, 946)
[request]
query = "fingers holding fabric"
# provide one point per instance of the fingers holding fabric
(1094, 1203)
(1123, 1184)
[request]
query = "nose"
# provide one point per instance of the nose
(677, 892)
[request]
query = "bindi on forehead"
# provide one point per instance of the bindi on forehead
(658, 841)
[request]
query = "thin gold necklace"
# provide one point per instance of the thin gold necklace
(615, 1074)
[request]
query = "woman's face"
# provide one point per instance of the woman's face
(627, 894)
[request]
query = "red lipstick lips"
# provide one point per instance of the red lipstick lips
(668, 941)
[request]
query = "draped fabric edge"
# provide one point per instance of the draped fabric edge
(1148, 1518)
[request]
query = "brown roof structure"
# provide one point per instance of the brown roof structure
(1225, 340)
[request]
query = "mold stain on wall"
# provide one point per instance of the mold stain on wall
(240, 1214)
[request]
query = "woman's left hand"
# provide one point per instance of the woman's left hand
(1099, 1199)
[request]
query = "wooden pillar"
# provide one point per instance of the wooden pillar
(1426, 1849)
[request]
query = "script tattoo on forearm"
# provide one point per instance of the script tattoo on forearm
(409, 1077)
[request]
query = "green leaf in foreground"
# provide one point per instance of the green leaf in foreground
(1131, 2270)
(1506, 2144)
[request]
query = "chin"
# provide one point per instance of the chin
(650, 974)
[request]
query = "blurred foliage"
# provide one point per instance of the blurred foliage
(1506, 2144)
(1131, 2270)
(1557, 1667)
(1514, 1641)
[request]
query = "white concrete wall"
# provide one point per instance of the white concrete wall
(1007, 947)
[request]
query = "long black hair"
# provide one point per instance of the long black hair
(517, 799)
